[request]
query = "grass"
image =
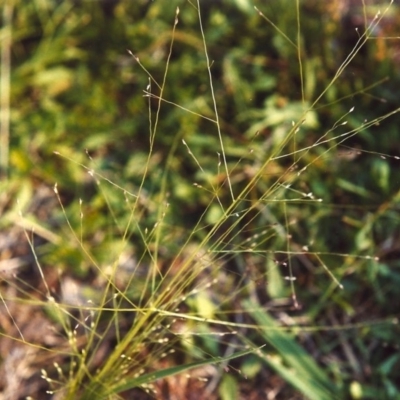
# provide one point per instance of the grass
(230, 224)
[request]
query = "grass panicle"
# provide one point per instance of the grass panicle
(227, 225)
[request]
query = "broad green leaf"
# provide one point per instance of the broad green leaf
(228, 389)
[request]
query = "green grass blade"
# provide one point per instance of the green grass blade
(128, 383)
(299, 369)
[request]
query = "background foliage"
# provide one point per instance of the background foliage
(326, 204)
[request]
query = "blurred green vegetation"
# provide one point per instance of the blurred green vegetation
(79, 87)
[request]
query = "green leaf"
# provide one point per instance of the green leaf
(293, 363)
(130, 383)
(228, 389)
(275, 280)
(381, 173)
(251, 366)
(351, 187)
(389, 364)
